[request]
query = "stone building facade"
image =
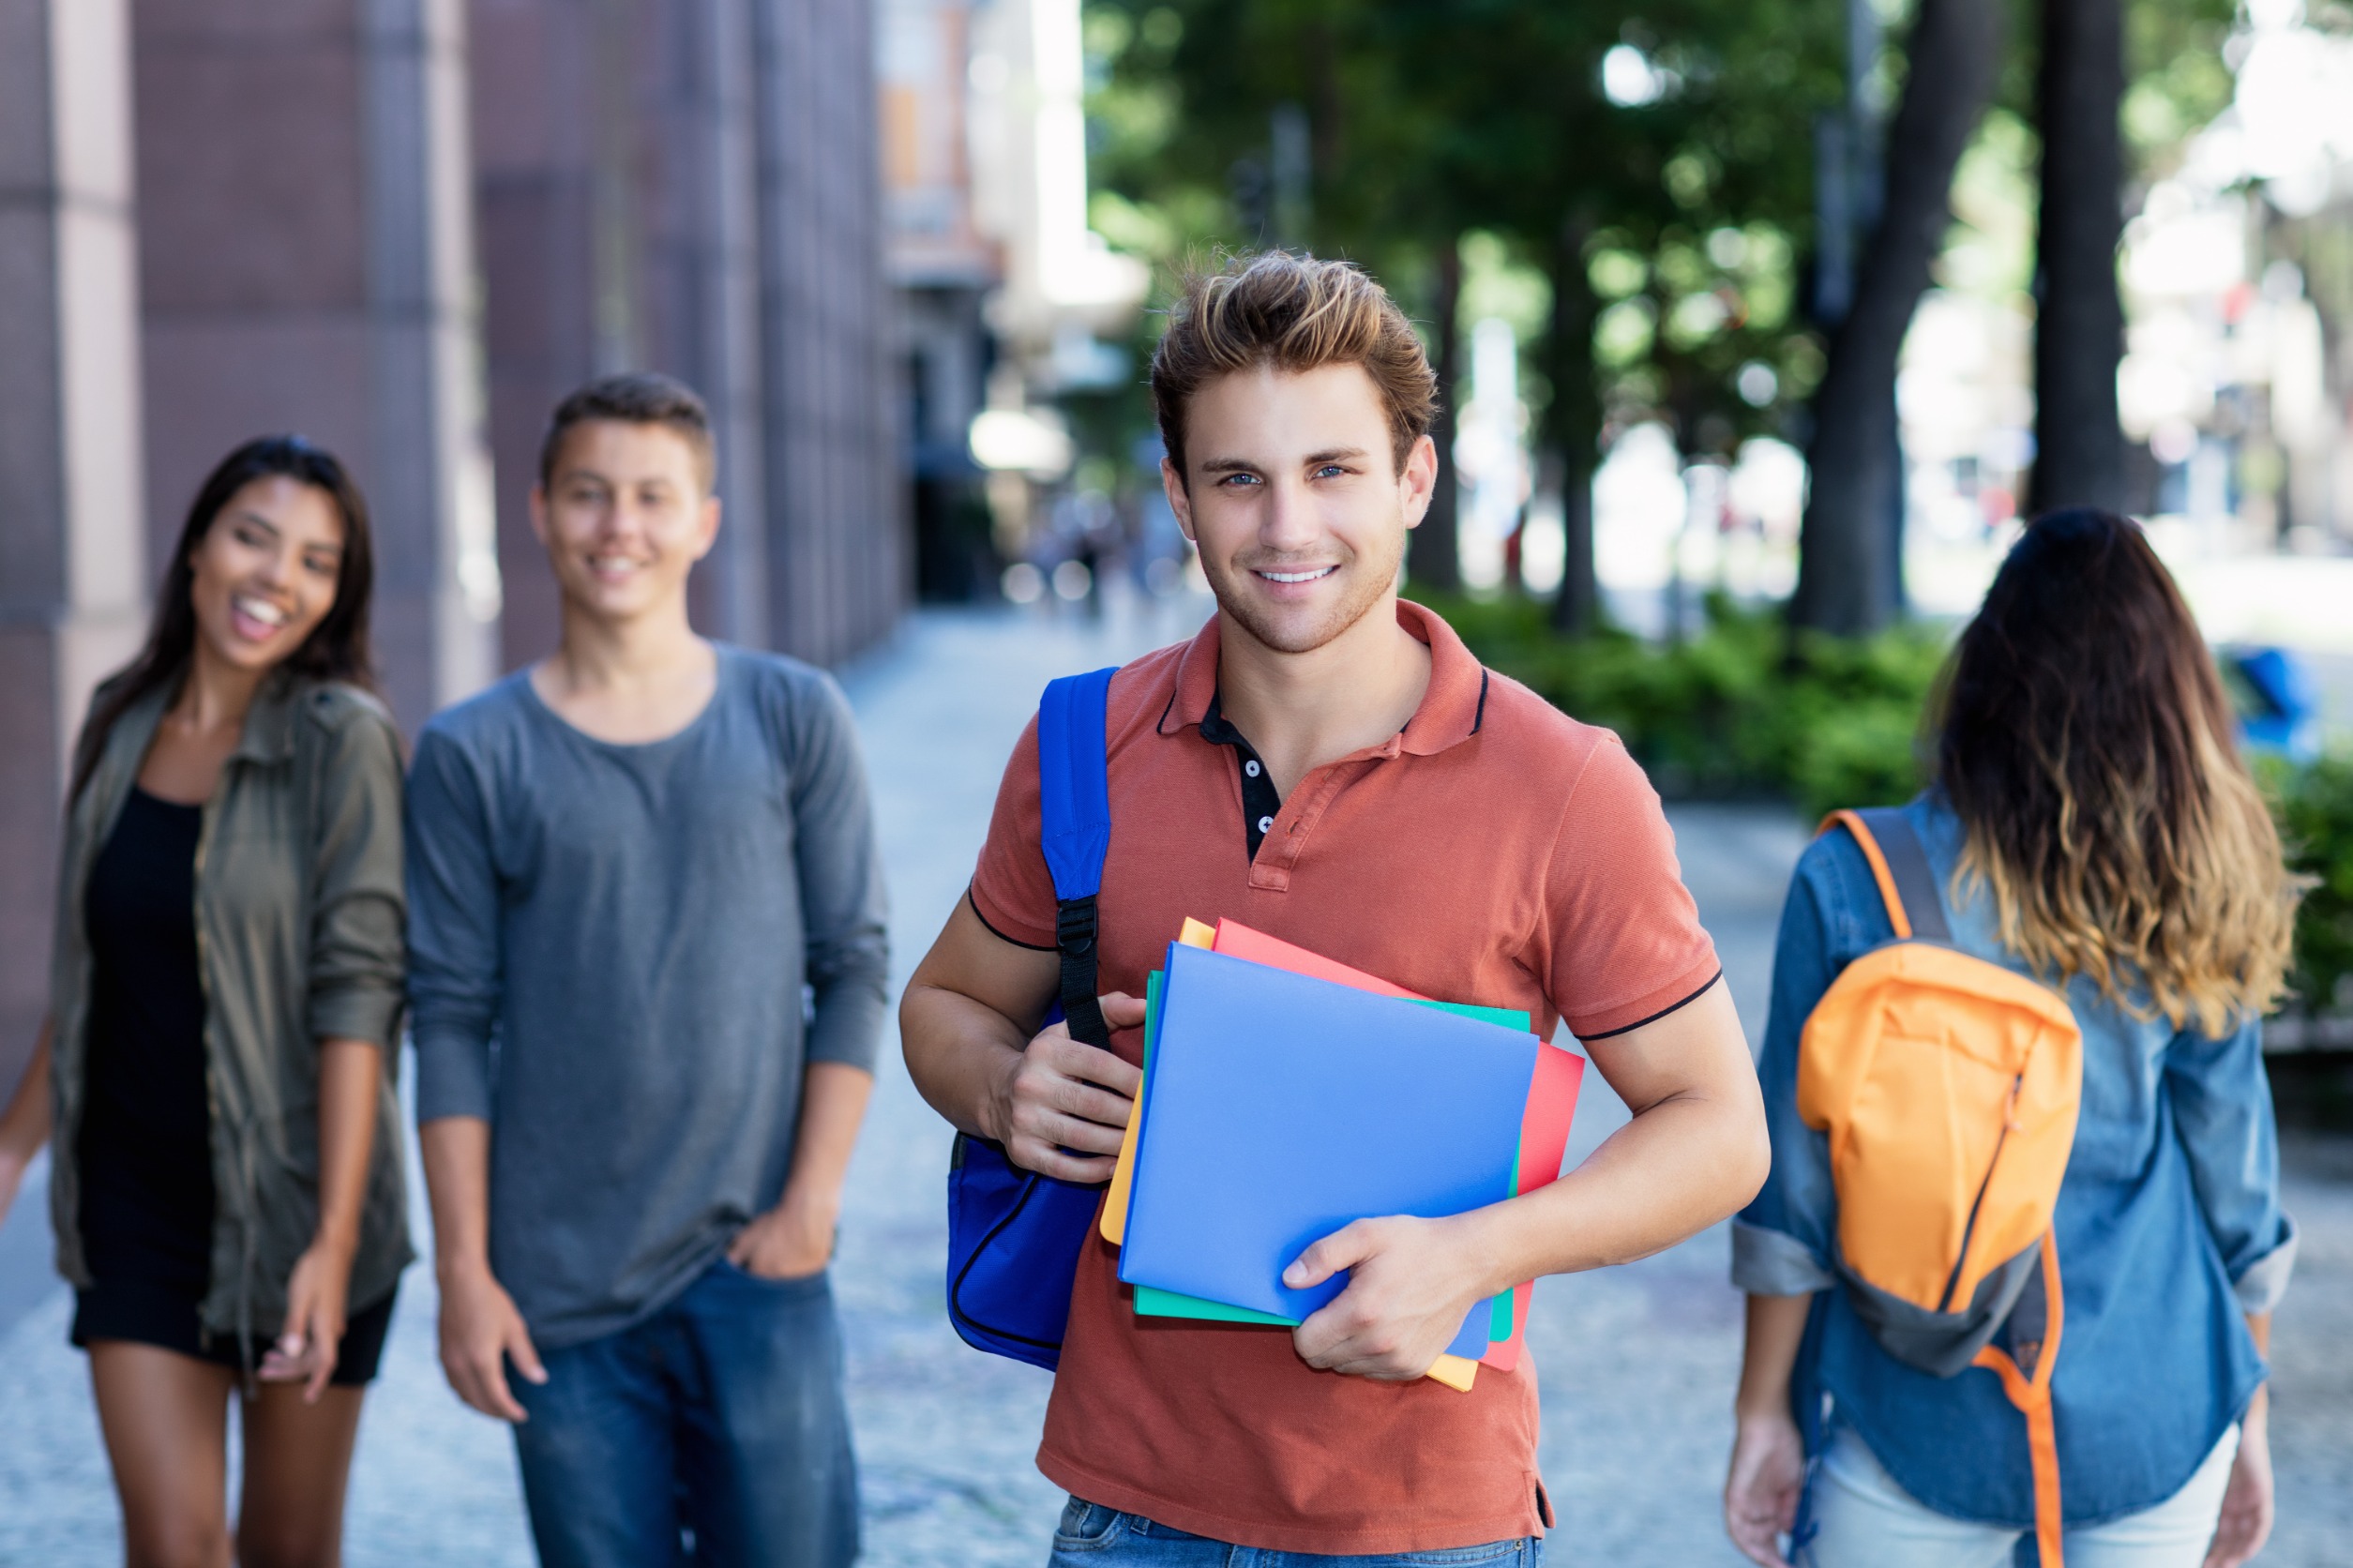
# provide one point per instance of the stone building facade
(405, 228)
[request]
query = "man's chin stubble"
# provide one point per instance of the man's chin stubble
(1291, 639)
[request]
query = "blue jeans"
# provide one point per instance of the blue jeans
(1092, 1536)
(713, 1432)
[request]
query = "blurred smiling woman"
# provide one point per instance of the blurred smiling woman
(227, 981)
(2090, 827)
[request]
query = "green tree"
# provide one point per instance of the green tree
(1845, 580)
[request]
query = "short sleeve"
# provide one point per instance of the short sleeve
(1013, 892)
(1626, 943)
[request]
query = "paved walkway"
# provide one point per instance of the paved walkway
(1637, 1362)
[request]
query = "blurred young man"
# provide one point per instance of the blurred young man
(1329, 764)
(624, 864)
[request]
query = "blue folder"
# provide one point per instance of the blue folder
(1281, 1108)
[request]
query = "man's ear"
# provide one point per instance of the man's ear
(1180, 499)
(709, 534)
(1419, 480)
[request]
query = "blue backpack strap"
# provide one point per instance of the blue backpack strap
(1075, 832)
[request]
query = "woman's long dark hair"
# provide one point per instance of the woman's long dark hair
(2084, 739)
(336, 648)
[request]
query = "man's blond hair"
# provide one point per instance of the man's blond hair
(1293, 313)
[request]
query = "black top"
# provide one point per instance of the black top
(146, 1145)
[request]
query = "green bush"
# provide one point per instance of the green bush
(2315, 807)
(1734, 709)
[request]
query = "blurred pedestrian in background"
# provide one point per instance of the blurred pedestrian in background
(646, 868)
(2090, 826)
(227, 979)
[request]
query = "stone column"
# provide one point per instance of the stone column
(73, 557)
(307, 252)
(838, 561)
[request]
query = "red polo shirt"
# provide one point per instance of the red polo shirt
(1495, 851)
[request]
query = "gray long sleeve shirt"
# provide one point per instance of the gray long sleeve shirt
(609, 951)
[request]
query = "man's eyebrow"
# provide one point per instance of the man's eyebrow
(1336, 454)
(1228, 465)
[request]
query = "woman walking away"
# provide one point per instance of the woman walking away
(2095, 847)
(227, 1189)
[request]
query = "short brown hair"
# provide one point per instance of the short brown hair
(634, 397)
(1294, 313)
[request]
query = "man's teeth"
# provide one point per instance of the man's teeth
(259, 610)
(1296, 577)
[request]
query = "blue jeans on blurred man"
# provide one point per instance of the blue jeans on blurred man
(723, 1409)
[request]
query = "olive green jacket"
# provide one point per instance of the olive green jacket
(298, 928)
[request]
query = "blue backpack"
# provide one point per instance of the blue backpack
(1013, 1236)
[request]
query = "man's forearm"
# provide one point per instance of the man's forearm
(834, 1097)
(959, 1053)
(1696, 1150)
(456, 1151)
(1670, 1174)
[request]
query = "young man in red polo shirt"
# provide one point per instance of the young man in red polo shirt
(1329, 764)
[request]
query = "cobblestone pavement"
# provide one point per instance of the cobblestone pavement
(1637, 1362)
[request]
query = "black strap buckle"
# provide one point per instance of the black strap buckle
(1075, 932)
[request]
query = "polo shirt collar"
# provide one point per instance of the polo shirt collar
(1451, 711)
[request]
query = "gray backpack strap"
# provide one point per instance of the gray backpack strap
(1907, 863)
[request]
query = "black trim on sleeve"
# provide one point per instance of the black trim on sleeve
(992, 930)
(1481, 716)
(1629, 1028)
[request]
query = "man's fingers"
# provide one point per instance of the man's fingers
(1075, 1059)
(1080, 1134)
(526, 1358)
(1038, 1155)
(1123, 1011)
(1343, 1249)
(1083, 1102)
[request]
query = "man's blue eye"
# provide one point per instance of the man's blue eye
(1329, 469)
(1242, 479)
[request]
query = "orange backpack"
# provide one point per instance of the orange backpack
(1949, 1088)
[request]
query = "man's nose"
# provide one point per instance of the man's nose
(1289, 520)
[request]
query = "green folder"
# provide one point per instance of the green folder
(1152, 1302)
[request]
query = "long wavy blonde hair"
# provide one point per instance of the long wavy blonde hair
(2083, 738)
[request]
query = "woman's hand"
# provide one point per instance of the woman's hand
(2245, 1523)
(313, 1335)
(1760, 1494)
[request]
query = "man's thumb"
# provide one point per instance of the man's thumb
(1343, 1249)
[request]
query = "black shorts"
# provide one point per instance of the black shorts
(166, 1317)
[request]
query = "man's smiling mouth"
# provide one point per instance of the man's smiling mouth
(1308, 576)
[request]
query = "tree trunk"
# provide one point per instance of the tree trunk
(2079, 323)
(1845, 565)
(1433, 552)
(1573, 425)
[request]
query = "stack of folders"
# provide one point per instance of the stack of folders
(1285, 1095)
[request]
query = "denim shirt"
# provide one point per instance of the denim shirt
(2169, 1226)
